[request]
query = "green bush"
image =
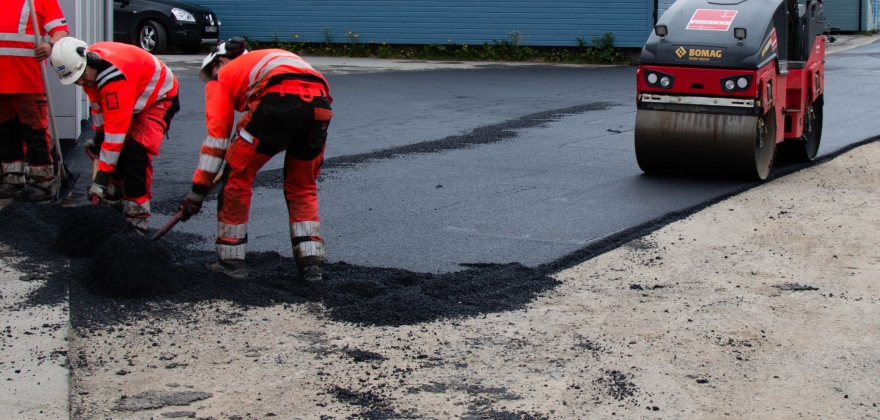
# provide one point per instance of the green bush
(600, 51)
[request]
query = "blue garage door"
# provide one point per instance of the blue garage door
(535, 23)
(843, 14)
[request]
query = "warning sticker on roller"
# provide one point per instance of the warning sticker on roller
(711, 20)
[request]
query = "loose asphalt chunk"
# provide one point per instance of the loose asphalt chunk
(158, 399)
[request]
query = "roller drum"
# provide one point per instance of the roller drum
(741, 146)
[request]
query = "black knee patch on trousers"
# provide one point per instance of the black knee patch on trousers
(132, 166)
(10, 143)
(37, 146)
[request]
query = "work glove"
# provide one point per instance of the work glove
(92, 146)
(190, 206)
(99, 186)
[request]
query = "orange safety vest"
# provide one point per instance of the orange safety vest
(240, 81)
(129, 80)
(21, 72)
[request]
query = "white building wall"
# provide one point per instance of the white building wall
(86, 22)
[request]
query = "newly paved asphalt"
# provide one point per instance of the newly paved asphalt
(430, 169)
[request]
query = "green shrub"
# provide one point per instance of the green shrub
(600, 51)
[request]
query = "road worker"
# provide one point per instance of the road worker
(133, 97)
(26, 164)
(287, 108)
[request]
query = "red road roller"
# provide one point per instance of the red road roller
(722, 83)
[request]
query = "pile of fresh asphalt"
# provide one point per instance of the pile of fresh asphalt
(130, 265)
(85, 229)
(124, 263)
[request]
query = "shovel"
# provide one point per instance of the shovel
(166, 227)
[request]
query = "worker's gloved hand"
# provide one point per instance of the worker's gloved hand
(190, 206)
(91, 149)
(92, 146)
(99, 186)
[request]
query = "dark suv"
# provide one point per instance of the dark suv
(155, 24)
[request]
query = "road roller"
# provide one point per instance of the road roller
(722, 85)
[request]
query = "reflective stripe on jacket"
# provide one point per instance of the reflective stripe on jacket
(129, 80)
(21, 71)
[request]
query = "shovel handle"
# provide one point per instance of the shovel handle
(166, 227)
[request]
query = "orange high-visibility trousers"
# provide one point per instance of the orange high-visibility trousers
(273, 124)
(24, 136)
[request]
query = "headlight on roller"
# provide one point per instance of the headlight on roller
(738, 83)
(659, 80)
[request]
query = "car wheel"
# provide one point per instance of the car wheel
(190, 48)
(152, 37)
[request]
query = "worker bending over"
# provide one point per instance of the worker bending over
(26, 172)
(287, 108)
(133, 97)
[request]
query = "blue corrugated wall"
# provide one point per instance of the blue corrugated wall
(662, 5)
(843, 14)
(535, 23)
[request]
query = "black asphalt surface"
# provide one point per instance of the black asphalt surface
(427, 170)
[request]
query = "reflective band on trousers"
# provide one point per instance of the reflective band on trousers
(301, 229)
(137, 214)
(231, 252)
(308, 249)
(225, 230)
(133, 209)
(13, 167)
(41, 172)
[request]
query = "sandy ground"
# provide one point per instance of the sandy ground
(33, 349)
(765, 305)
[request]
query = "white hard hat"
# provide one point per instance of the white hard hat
(230, 48)
(69, 59)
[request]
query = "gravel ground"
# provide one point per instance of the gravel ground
(764, 305)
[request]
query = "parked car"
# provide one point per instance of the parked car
(155, 24)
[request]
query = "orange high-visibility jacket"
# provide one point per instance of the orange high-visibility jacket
(240, 81)
(129, 81)
(21, 71)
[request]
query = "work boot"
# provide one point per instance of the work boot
(8, 190)
(311, 273)
(232, 268)
(35, 194)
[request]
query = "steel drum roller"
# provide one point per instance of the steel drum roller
(739, 145)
